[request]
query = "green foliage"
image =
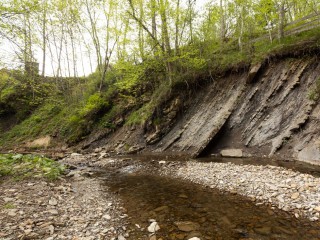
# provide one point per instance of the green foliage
(139, 117)
(127, 76)
(44, 120)
(29, 166)
(94, 104)
(303, 40)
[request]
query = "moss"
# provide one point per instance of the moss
(9, 206)
(314, 94)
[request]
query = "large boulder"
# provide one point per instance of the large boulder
(236, 153)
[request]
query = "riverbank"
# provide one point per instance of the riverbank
(279, 187)
(73, 207)
(84, 205)
(285, 189)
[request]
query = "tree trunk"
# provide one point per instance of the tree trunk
(222, 23)
(141, 35)
(164, 28)
(44, 42)
(154, 23)
(281, 21)
(176, 42)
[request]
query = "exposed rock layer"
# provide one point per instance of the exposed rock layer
(269, 114)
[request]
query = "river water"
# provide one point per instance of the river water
(211, 214)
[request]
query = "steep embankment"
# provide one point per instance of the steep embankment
(205, 117)
(267, 112)
(275, 114)
(271, 110)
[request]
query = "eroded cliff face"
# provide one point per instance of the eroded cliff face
(266, 112)
(204, 118)
(275, 116)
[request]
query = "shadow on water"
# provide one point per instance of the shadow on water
(214, 215)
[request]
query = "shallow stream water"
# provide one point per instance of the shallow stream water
(214, 215)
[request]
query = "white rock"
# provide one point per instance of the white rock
(75, 154)
(53, 211)
(232, 153)
(102, 155)
(12, 212)
(51, 229)
(194, 238)
(8, 199)
(153, 227)
(120, 237)
(97, 150)
(53, 201)
(107, 217)
(295, 195)
(317, 209)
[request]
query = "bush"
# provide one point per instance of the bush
(94, 104)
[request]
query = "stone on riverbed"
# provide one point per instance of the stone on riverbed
(153, 227)
(236, 153)
(187, 226)
(285, 189)
(263, 230)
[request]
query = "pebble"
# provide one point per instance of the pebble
(295, 195)
(187, 226)
(8, 199)
(53, 211)
(120, 237)
(12, 213)
(75, 209)
(53, 202)
(153, 227)
(107, 217)
(284, 188)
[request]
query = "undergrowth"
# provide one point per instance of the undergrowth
(21, 166)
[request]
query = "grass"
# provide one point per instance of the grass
(9, 206)
(265, 48)
(21, 166)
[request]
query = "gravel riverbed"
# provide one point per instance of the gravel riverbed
(285, 189)
(80, 205)
(291, 191)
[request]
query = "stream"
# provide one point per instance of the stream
(208, 213)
